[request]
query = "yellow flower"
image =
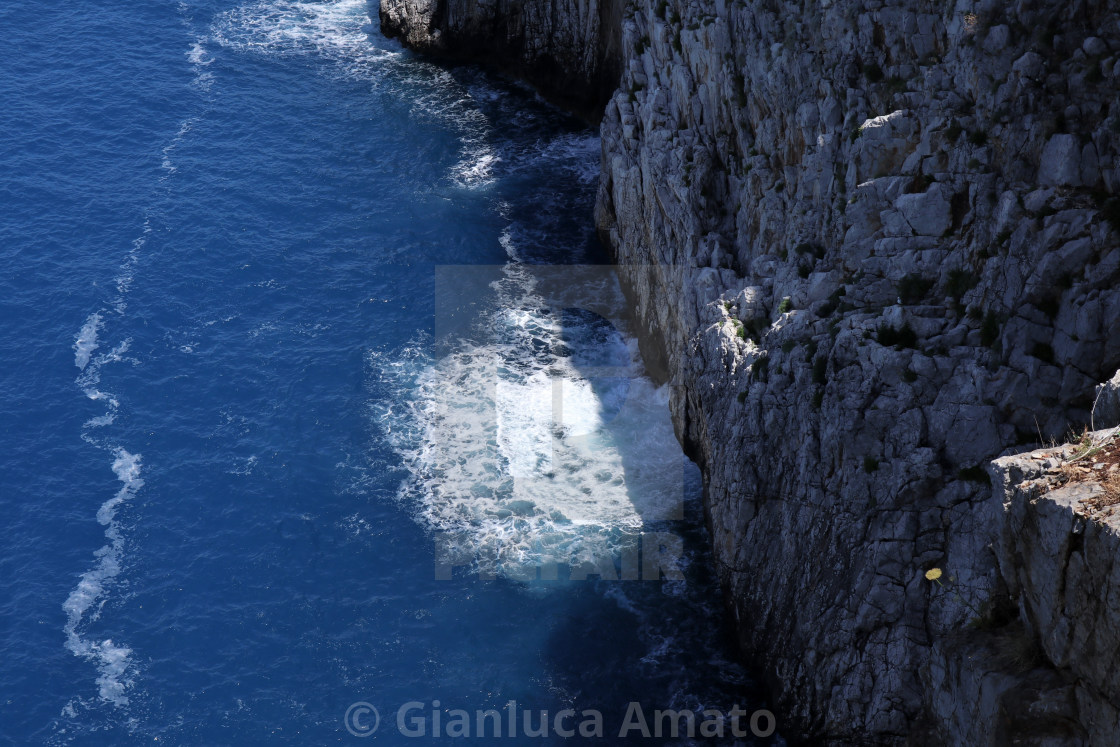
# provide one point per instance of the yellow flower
(933, 574)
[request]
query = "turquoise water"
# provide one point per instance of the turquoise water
(295, 417)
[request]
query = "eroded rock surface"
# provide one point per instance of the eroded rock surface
(569, 49)
(871, 245)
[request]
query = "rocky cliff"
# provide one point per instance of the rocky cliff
(569, 49)
(873, 245)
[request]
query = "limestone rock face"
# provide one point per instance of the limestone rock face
(909, 207)
(1057, 551)
(925, 183)
(569, 49)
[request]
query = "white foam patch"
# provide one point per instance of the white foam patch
(197, 55)
(335, 28)
(338, 31)
(517, 453)
(505, 239)
(127, 272)
(84, 604)
(477, 167)
(90, 379)
(199, 58)
(86, 341)
(167, 164)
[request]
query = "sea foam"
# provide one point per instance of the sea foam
(86, 341)
(83, 605)
(539, 441)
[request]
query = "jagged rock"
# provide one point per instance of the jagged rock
(1106, 409)
(1059, 558)
(949, 190)
(927, 213)
(567, 48)
(883, 143)
(1065, 162)
(1095, 46)
(1061, 162)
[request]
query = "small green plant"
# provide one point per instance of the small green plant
(909, 376)
(742, 397)
(1083, 444)
(870, 464)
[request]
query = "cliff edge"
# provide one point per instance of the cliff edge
(874, 245)
(570, 50)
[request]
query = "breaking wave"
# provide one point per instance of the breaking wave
(535, 439)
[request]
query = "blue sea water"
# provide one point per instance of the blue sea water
(274, 346)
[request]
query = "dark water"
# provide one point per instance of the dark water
(252, 398)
